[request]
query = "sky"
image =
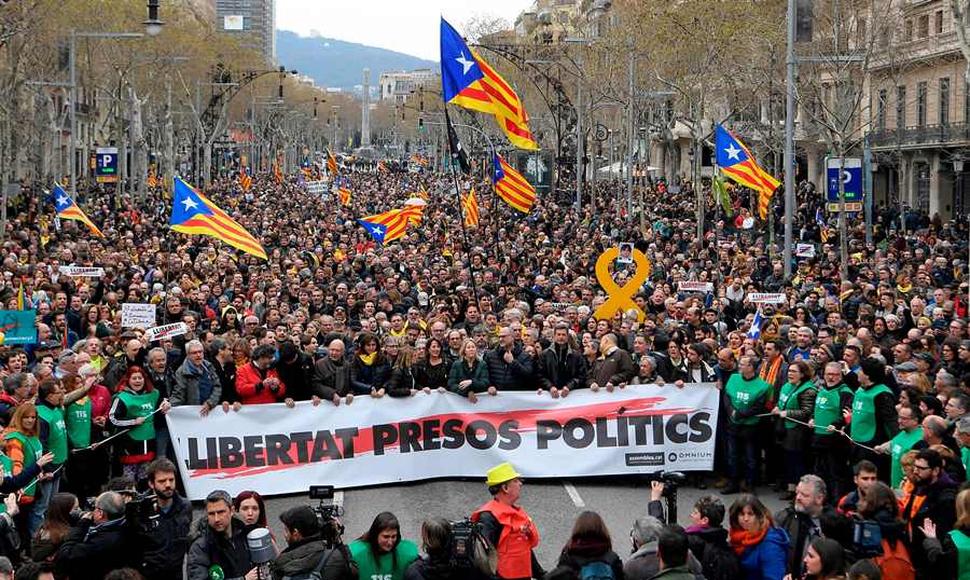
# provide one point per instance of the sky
(408, 26)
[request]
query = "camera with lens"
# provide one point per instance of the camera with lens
(466, 535)
(671, 479)
(328, 514)
(141, 510)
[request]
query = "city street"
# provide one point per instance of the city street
(553, 504)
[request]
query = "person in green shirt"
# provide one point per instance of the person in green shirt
(381, 553)
(133, 408)
(796, 401)
(910, 433)
(962, 433)
(745, 397)
(829, 448)
(872, 419)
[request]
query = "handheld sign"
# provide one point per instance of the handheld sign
(137, 315)
(766, 298)
(167, 331)
(81, 271)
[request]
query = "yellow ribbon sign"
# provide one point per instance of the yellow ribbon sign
(620, 299)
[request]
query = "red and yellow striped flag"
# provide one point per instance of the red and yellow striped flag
(413, 213)
(344, 196)
(470, 205)
(277, 172)
(331, 163)
(514, 189)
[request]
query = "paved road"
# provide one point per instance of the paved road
(553, 505)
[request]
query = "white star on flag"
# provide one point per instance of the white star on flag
(465, 63)
(189, 203)
(733, 152)
(62, 200)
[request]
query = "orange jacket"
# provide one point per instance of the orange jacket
(514, 545)
(250, 390)
(15, 451)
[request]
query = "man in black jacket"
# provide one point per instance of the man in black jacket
(98, 544)
(295, 369)
(163, 547)
(810, 518)
(561, 369)
(509, 366)
(222, 546)
(307, 549)
(331, 376)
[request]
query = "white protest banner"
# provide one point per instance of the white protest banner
(767, 298)
(78, 271)
(639, 429)
(687, 286)
(167, 331)
(137, 315)
(805, 250)
(316, 186)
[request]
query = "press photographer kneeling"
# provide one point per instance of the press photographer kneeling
(314, 543)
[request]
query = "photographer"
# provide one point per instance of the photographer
(308, 549)
(441, 560)
(97, 544)
(163, 543)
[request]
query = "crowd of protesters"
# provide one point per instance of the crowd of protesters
(851, 398)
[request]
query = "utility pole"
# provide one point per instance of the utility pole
(630, 131)
(789, 138)
(580, 142)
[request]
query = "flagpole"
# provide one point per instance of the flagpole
(461, 210)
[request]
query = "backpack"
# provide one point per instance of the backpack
(317, 572)
(720, 563)
(894, 563)
(596, 571)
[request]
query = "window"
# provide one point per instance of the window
(908, 34)
(881, 111)
(901, 107)
(921, 93)
(938, 26)
(860, 29)
(945, 101)
(923, 26)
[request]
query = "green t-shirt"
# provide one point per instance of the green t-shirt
(743, 394)
(863, 427)
(78, 418)
(140, 405)
(899, 446)
(384, 567)
(962, 543)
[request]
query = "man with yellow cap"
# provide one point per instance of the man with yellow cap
(507, 526)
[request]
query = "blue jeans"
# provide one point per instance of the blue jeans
(38, 511)
(742, 452)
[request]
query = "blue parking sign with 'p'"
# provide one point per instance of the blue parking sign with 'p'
(106, 162)
(851, 175)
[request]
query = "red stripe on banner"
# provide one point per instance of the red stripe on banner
(202, 225)
(516, 129)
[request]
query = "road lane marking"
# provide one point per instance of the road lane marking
(574, 495)
(338, 498)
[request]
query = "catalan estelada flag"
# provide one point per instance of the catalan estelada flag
(193, 213)
(277, 172)
(382, 167)
(67, 209)
(344, 192)
(385, 227)
(470, 205)
(331, 163)
(413, 213)
(468, 81)
(737, 162)
(509, 184)
(245, 181)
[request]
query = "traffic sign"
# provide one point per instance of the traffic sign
(850, 206)
(106, 164)
(851, 178)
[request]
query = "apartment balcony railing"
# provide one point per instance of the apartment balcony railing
(951, 133)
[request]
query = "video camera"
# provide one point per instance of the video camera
(141, 509)
(465, 534)
(328, 514)
(670, 479)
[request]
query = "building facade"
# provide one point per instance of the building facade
(400, 86)
(252, 21)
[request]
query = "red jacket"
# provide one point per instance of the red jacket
(249, 385)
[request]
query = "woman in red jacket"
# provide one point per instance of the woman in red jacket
(257, 383)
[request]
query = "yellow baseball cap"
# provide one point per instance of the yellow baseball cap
(501, 473)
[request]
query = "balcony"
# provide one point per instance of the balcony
(915, 137)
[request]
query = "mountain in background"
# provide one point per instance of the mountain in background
(337, 64)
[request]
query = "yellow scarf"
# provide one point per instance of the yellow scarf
(368, 359)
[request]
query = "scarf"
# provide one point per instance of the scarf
(741, 540)
(770, 372)
(368, 359)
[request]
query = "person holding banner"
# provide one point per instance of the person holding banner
(133, 409)
(469, 375)
(331, 376)
(257, 383)
(746, 397)
(507, 526)
(196, 380)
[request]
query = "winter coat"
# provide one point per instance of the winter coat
(795, 437)
(210, 548)
(580, 552)
(514, 376)
(249, 385)
(186, 391)
(561, 368)
(616, 367)
(460, 371)
(402, 381)
(440, 568)
(768, 559)
(164, 547)
(941, 555)
(330, 378)
(432, 376)
(364, 377)
(296, 376)
(91, 551)
(798, 525)
(940, 497)
(304, 556)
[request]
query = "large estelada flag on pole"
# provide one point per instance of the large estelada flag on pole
(470, 205)
(737, 162)
(68, 209)
(194, 213)
(468, 81)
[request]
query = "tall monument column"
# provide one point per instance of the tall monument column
(365, 113)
